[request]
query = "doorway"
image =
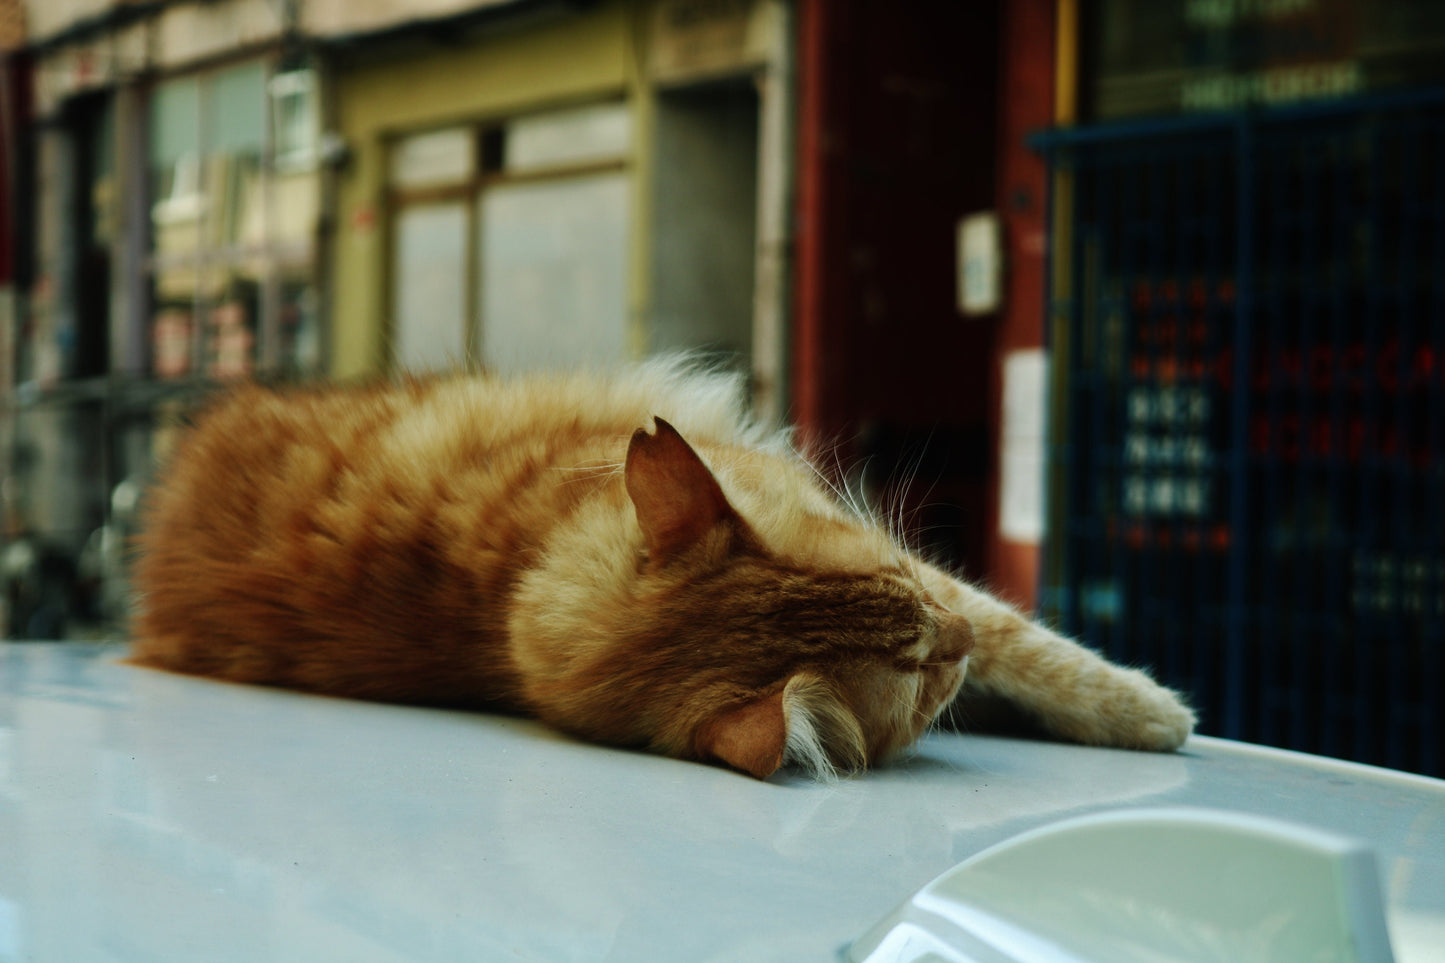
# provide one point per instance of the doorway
(704, 219)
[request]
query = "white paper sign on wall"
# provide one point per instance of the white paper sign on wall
(980, 264)
(1021, 444)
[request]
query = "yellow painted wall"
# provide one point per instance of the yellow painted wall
(583, 56)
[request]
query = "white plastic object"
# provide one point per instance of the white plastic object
(1146, 885)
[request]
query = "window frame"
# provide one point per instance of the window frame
(488, 171)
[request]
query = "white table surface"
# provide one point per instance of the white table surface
(145, 816)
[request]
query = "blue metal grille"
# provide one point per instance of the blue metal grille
(1248, 324)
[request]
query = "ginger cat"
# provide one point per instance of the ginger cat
(544, 546)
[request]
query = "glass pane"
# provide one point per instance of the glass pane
(554, 273)
(235, 201)
(176, 212)
(175, 112)
(429, 302)
(231, 315)
(40, 355)
(579, 135)
(295, 127)
(105, 211)
(295, 208)
(55, 500)
(171, 331)
(176, 285)
(300, 320)
(109, 552)
(175, 165)
(242, 213)
(440, 157)
(236, 110)
(235, 127)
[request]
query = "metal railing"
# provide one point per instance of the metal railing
(1247, 318)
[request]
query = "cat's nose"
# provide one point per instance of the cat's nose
(955, 636)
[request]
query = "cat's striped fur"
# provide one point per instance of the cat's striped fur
(688, 585)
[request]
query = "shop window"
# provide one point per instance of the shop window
(581, 135)
(69, 331)
(55, 482)
(554, 272)
(174, 241)
(430, 290)
(509, 241)
(175, 161)
(295, 123)
(437, 158)
(235, 200)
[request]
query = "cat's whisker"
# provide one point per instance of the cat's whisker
(828, 482)
(856, 500)
(595, 473)
(907, 517)
(591, 466)
(841, 488)
(918, 711)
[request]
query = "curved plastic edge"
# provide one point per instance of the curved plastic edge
(982, 909)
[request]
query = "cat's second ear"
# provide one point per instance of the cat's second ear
(678, 501)
(804, 720)
(750, 737)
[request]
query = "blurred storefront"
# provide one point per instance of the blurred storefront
(281, 189)
(599, 186)
(168, 197)
(1247, 324)
(285, 189)
(898, 118)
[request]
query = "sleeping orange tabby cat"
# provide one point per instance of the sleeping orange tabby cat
(544, 546)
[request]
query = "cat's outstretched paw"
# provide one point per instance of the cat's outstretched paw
(1167, 732)
(1145, 715)
(1131, 712)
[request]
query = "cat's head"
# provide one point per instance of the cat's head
(795, 636)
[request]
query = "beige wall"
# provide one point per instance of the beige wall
(329, 17)
(46, 18)
(174, 38)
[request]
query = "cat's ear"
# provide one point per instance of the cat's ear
(805, 722)
(750, 737)
(678, 500)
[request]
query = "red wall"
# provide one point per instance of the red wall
(898, 120)
(1026, 105)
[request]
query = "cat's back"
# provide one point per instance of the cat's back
(254, 442)
(706, 406)
(259, 448)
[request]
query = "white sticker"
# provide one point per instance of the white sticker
(1021, 446)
